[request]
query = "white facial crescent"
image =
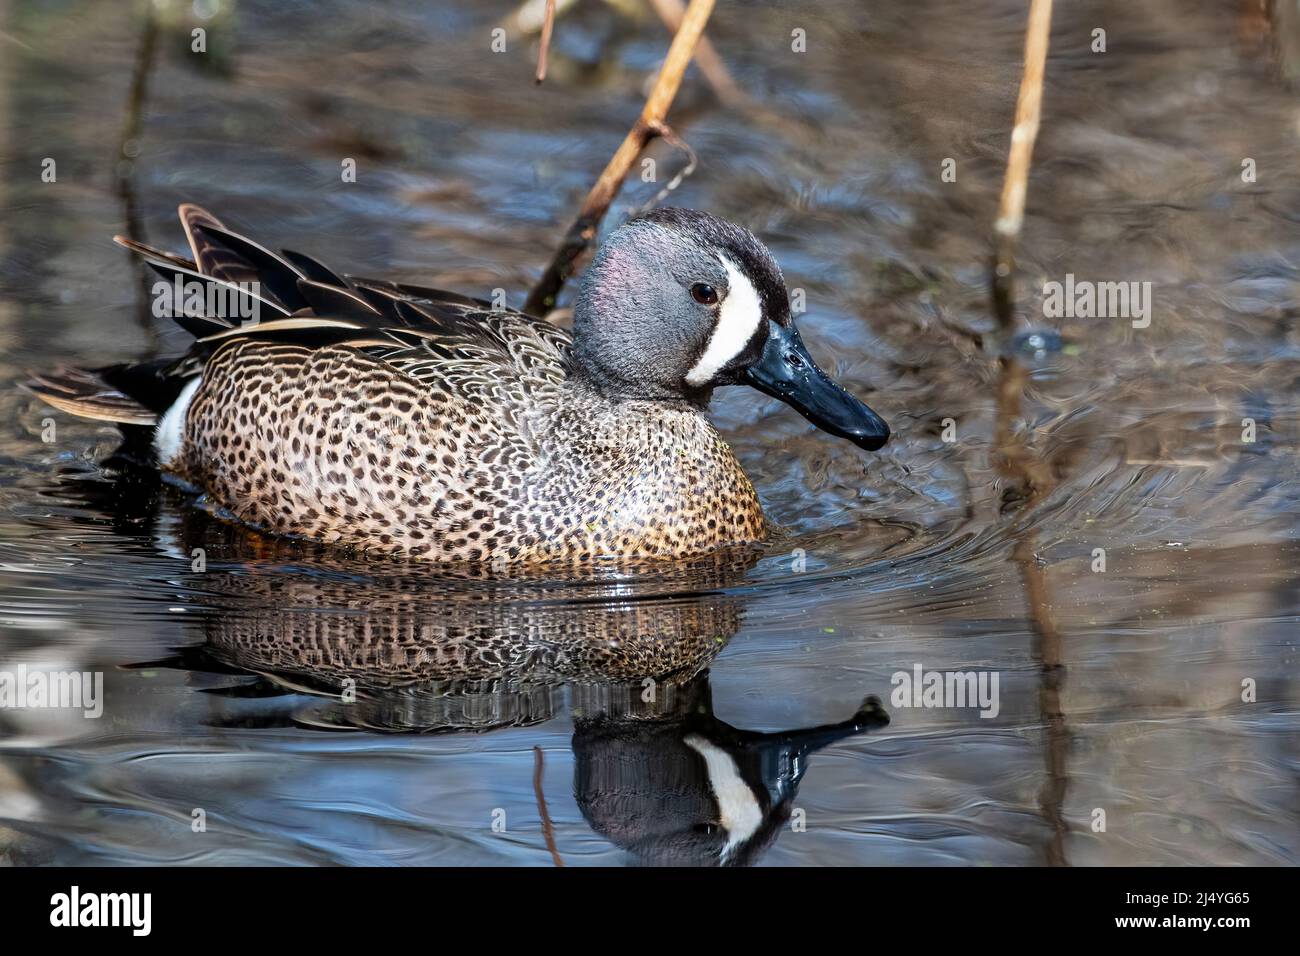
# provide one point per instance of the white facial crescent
(738, 318)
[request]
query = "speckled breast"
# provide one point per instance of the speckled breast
(334, 444)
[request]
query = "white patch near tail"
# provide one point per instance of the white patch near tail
(738, 318)
(737, 805)
(170, 433)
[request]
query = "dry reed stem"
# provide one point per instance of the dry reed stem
(649, 125)
(711, 66)
(1011, 208)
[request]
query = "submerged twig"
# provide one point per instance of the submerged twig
(548, 25)
(128, 149)
(1049, 649)
(1013, 456)
(548, 831)
(649, 125)
(1011, 208)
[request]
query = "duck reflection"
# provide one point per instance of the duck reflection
(657, 773)
(689, 789)
(343, 643)
(401, 655)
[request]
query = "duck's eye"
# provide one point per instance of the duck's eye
(704, 294)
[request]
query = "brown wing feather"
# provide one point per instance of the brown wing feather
(149, 252)
(439, 337)
(191, 216)
(213, 258)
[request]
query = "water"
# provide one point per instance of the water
(509, 721)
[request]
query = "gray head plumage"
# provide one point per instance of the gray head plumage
(678, 302)
(638, 328)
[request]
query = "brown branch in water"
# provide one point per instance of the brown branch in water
(1013, 456)
(649, 125)
(128, 149)
(1011, 208)
(1049, 650)
(1016, 460)
(547, 26)
(548, 832)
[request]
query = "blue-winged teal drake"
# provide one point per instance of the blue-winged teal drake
(410, 420)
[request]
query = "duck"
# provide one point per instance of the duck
(682, 787)
(400, 419)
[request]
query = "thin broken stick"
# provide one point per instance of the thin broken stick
(548, 25)
(548, 831)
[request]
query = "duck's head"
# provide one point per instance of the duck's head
(678, 302)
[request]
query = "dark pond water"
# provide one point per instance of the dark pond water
(512, 721)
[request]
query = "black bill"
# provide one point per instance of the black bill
(786, 371)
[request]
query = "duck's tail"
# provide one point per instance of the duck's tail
(122, 394)
(251, 278)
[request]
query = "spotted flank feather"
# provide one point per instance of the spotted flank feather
(402, 418)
